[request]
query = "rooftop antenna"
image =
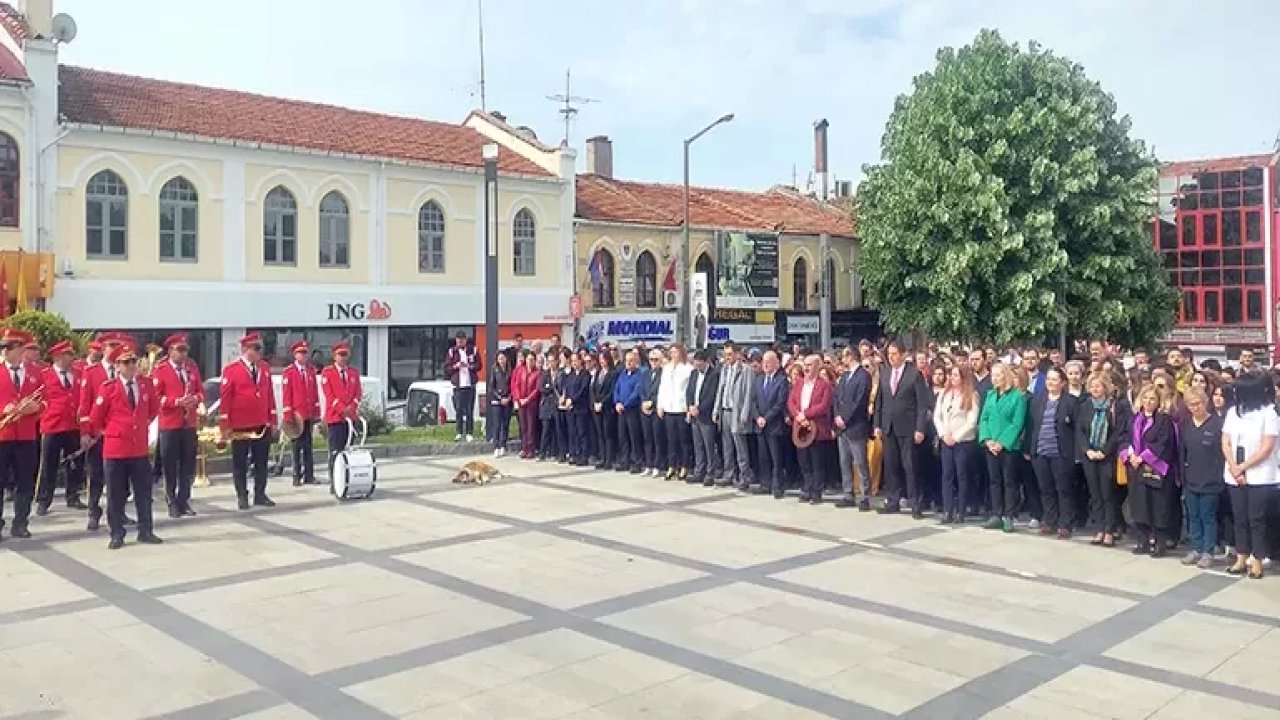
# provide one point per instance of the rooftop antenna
(569, 109)
(480, 11)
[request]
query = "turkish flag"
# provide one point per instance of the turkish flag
(669, 283)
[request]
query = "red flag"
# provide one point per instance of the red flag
(4, 293)
(668, 283)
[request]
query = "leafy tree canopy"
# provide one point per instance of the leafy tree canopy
(1010, 197)
(48, 328)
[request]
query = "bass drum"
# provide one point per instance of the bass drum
(354, 475)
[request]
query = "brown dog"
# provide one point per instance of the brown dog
(477, 472)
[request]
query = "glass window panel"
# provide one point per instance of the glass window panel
(1232, 258)
(1207, 180)
(118, 213)
(1208, 200)
(342, 258)
(1231, 179)
(1254, 276)
(1255, 257)
(1190, 307)
(1168, 233)
(1232, 276)
(289, 225)
(1211, 258)
(93, 213)
(1253, 305)
(1253, 177)
(1253, 197)
(1190, 278)
(189, 218)
(189, 246)
(288, 254)
(1209, 229)
(1231, 230)
(1189, 201)
(117, 242)
(93, 241)
(1233, 306)
(1252, 227)
(1211, 277)
(1211, 310)
(1231, 198)
(1189, 231)
(166, 245)
(167, 218)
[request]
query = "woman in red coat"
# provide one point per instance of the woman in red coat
(526, 391)
(809, 405)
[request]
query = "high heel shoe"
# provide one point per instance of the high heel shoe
(1097, 539)
(1255, 568)
(1108, 540)
(1239, 566)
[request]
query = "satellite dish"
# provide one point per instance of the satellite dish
(64, 28)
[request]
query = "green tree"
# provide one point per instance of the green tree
(1010, 197)
(48, 328)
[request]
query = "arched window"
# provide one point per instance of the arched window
(179, 208)
(430, 238)
(601, 272)
(800, 285)
(524, 243)
(646, 280)
(10, 173)
(106, 213)
(280, 228)
(831, 281)
(335, 231)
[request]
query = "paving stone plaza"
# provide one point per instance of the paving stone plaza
(561, 593)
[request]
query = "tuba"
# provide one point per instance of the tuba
(803, 434)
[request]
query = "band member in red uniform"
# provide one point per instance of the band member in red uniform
(180, 391)
(341, 384)
(122, 414)
(301, 405)
(60, 430)
(31, 356)
(95, 375)
(20, 400)
(248, 419)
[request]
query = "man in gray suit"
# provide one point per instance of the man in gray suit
(733, 399)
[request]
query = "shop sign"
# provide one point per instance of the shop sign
(741, 334)
(803, 325)
(373, 310)
(629, 328)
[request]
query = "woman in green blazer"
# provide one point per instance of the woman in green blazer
(1000, 430)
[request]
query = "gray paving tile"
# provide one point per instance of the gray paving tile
(231, 707)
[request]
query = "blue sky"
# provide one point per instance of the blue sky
(1199, 79)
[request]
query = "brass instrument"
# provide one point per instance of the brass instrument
(205, 438)
(293, 427)
(22, 408)
(148, 363)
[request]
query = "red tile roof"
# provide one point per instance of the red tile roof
(95, 97)
(1237, 162)
(11, 68)
(14, 23)
(778, 209)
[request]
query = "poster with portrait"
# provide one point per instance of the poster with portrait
(698, 311)
(747, 270)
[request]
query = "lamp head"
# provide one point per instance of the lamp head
(489, 151)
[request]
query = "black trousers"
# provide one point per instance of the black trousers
(655, 445)
(464, 408)
(177, 450)
(1249, 508)
(1151, 507)
(1100, 476)
(1057, 479)
(815, 468)
(606, 422)
(1003, 471)
(339, 438)
(97, 478)
(303, 454)
(125, 475)
(18, 465)
(901, 463)
(549, 441)
(579, 426)
(246, 454)
(630, 439)
(679, 441)
(771, 468)
(56, 447)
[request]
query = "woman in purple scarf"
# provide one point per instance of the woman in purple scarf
(1151, 457)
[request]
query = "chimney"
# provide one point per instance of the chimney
(498, 115)
(600, 156)
(820, 154)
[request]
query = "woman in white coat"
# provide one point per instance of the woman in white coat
(672, 409)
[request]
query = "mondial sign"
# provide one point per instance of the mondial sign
(629, 329)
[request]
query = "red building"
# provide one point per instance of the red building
(1215, 228)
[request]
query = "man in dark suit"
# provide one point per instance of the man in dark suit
(700, 396)
(768, 407)
(903, 403)
(853, 425)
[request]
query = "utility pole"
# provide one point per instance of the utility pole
(489, 153)
(480, 11)
(824, 240)
(684, 328)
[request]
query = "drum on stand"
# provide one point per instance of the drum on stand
(354, 475)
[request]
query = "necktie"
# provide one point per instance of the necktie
(111, 373)
(893, 385)
(343, 374)
(253, 372)
(17, 378)
(66, 380)
(182, 374)
(133, 399)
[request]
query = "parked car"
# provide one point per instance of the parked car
(430, 402)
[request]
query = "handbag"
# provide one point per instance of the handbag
(1122, 473)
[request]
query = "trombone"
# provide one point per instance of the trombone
(22, 408)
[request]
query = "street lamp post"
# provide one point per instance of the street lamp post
(683, 326)
(490, 154)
